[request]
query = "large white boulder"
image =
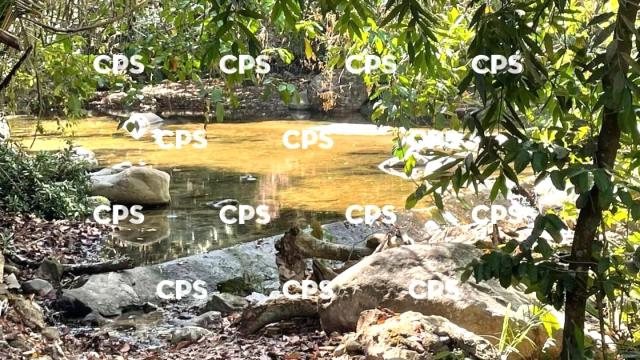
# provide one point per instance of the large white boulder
(135, 185)
(382, 280)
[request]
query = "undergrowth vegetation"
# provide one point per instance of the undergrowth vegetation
(50, 185)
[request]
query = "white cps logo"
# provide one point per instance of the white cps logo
(496, 213)
(307, 139)
(371, 214)
(497, 63)
(386, 64)
(245, 62)
(119, 64)
(182, 138)
(245, 213)
(181, 288)
(119, 213)
(308, 288)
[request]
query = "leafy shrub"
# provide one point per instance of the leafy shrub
(52, 186)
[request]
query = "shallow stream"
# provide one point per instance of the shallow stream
(298, 185)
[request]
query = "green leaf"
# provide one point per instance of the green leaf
(409, 165)
(583, 182)
(557, 179)
(600, 18)
(438, 200)
(602, 180)
(543, 248)
(510, 246)
(466, 275)
(413, 199)
(495, 188)
(539, 161)
(521, 161)
(250, 14)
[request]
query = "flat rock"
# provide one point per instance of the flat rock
(225, 303)
(189, 334)
(37, 286)
(109, 293)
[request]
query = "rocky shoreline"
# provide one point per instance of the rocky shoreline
(316, 94)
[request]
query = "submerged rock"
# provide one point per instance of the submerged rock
(219, 204)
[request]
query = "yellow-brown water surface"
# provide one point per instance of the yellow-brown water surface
(314, 184)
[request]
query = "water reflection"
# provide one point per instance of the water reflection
(305, 185)
(189, 226)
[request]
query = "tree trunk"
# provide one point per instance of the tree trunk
(590, 215)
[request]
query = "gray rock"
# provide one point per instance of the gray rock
(337, 92)
(382, 280)
(84, 155)
(37, 286)
(135, 185)
(412, 335)
(95, 319)
(50, 269)
(110, 293)
(51, 333)
(301, 102)
(190, 334)
(12, 282)
(208, 320)
(1, 266)
(225, 303)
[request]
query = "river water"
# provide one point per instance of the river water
(299, 186)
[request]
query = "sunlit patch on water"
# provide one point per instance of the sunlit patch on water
(298, 185)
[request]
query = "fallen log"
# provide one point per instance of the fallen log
(255, 318)
(97, 268)
(322, 271)
(289, 259)
(310, 247)
(76, 269)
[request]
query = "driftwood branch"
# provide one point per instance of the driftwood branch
(76, 269)
(311, 247)
(97, 268)
(255, 318)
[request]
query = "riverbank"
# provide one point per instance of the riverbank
(256, 101)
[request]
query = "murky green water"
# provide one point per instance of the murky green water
(297, 185)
